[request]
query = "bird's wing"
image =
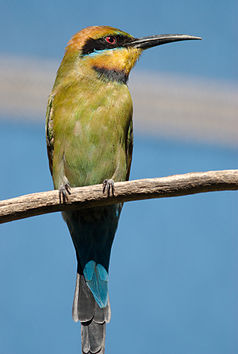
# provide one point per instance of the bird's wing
(129, 148)
(50, 131)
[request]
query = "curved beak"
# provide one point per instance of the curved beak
(152, 41)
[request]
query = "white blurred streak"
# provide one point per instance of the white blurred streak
(186, 108)
(24, 87)
(164, 105)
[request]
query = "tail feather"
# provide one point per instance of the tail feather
(93, 338)
(92, 317)
(96, 278)
(92, 231)
(84, 303)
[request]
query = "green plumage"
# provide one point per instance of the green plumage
(89, 129)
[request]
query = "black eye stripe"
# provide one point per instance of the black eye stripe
(92, 45)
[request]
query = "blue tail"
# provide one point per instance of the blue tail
(92, 231)
(96, 278)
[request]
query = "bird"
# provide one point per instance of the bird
(89, 135)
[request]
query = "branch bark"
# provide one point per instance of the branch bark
(92, 196)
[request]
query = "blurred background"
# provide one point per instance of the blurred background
(173, 275)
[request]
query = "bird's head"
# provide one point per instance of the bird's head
(109, 52)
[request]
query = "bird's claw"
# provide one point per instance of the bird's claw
(64, 192)
(108, 186)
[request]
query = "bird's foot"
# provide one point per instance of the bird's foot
(64, 192)
(108, 186)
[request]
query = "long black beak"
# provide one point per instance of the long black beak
(152, 41)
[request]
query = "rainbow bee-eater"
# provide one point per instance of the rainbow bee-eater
(90, 139)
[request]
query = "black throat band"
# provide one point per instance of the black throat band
(111, 75)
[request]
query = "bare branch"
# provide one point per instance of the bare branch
(92, 196)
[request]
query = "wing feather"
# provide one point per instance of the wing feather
(50, 132)
(129, 148)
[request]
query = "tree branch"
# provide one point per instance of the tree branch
(92, 196)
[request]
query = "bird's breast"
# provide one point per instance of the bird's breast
(90, 129)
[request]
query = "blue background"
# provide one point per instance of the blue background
(173, 275)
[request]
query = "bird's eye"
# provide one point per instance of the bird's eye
(110, 40)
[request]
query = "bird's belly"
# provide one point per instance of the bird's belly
(93, 157)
